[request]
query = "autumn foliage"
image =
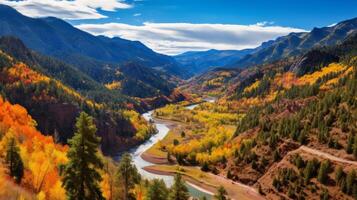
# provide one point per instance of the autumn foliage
(41, 156)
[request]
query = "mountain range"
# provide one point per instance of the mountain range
(55, 37)
(293, 44)
(98, 56)
(200, 61)
(297, 43)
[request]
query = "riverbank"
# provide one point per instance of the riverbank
(207, 182)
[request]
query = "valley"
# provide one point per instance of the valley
(87, 116)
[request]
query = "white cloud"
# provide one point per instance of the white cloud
(66, 9)
(137, 14)
(174, 38)
(264, 23)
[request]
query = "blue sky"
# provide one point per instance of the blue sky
(175, 26)
(304, 14)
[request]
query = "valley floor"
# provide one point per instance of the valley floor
(194, 175)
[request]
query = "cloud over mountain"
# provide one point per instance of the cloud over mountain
(174, 38)
(66, 9)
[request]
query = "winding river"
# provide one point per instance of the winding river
(140, 163)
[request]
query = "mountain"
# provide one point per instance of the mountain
(147, 82)
(55, 37)
(295, 125)
(298, 43)
(200, 61)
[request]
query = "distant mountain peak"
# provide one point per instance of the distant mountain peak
(55, 37)
(297, 43)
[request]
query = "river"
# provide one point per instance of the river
(140, 163)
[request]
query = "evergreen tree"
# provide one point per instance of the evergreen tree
(128, 174)
(355, 147)
(343, 185)
(339, 174)
(350, 181)
(221, 194)
(80, 175)
(323, 172)
(178, 191)
(302, 137)
(276, 156)
(157, 190)
(308, 171)
(298, 161)
(350, 142)
(14, 161)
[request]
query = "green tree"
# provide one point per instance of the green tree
(355, 147)
(276, 155)
(339, 174)
(14, 161)
(221, 194)
(127, 174)
(178, 191)
(323, 172)
(350, 142)
(308, 171)
(350, 181)
(157, 190)
(80, 175)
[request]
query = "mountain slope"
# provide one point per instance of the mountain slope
(149, 82)
(297, 43)
(200, 61)
(55, 106)
(296, 122)
(56, 37)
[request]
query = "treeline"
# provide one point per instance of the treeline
(295, 183)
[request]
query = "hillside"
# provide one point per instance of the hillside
(55, 37)
(298, 43)
(55, 107)
(287, 128)
(146, 81)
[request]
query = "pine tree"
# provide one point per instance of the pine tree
(350, 180)
(80, 175)
(339, 174)
(178, 191)
(14, 161)
(308, 171)
(323, 172)
(350, 142)
(302, 137)
(298, 161)
(127, 174)
(221, 194)
(276, 155)
(355, 147)
(157, 190)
